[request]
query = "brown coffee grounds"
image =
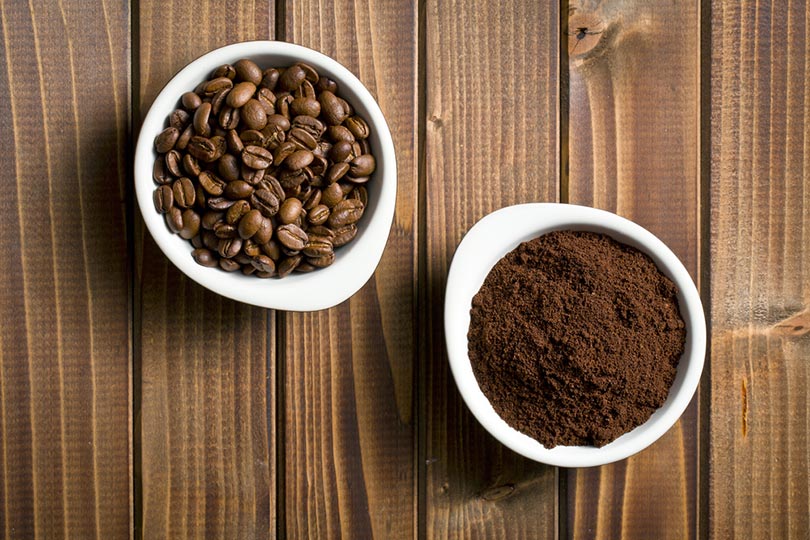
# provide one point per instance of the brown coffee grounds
(575, 338)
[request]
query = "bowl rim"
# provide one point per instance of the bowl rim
(535, 219)
(353, 268)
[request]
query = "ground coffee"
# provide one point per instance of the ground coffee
(575, 338)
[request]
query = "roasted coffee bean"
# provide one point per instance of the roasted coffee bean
(174, 219)
(272, 184)
(247, 70)
(298, 160)
(365, 147)
(273, 137)
(184, 192)
(238, 189)
(191, 224)
(346, 187)
(286, 266)
(204, 257)
(190, 101)
(305, 106)
(289, 211)
(318, 215)
(197, 242)
(216, 85)
(235, 212)
(312, 199)
(331, 108)
(302, 138)
(321, 231)
(345, 212)
(362, 166)
(339, 133)
(292, 237)
(265, 202)
(283, 151)
(224, 230)
(219, 147)
(323, 261)
(279, 120)
(265, 232)
(325, 83)
(357, 126)
(346, 107)
(241, 258)
(185, 137)
(251, 248)
(304, 268)
(210, 218)
(253, 115)
(217, 104)
(240, 94)
(248, 269)
(360, 193)
(159, 173)
(257, 157)
(269, 78)
(201, 116)
(292, 179)
(202, 148)
(263, 263)
(210, 240)
(229, 247)
(173, 162)
(191, 166)
(228, 167)
(229, 265)
(292, 78)
(211, 183)
(253, 137)
(252, 176)
(200, 197)
(234, 143)
(271, 249)
(337, 171)
(283, 104)
(313, 126)
(250, 223)
(163, 198)
(344, 235)
(229, 118)
(341, 151)
(225, 70)
(267, 100)
(179, 119)
(332, 195)
(219, 204)
(166, 139)
(317, 247)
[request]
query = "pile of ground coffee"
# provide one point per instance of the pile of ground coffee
(575, 338)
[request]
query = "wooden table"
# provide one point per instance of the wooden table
(135, 403)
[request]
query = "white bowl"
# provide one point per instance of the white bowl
(354, 263)
(499, 233)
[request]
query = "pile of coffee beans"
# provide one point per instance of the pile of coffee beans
(264, 170)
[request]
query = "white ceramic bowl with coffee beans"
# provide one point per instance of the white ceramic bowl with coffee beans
(265, 171)
(500, 232)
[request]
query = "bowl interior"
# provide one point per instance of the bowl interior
(499, 233)
(354, 263)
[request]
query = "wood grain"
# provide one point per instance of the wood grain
(634, 146)
(206, 365)
(350, 432)
(760, 271)
(64, 297)
(491, 141)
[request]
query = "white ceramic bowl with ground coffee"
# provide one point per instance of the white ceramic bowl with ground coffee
(354, 263)
(498, 234)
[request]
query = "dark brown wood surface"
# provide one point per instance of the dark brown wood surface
(760, 271)
(491, 133)
(65, 413)
(634, 148)
(205, 365)
(349, 370)
(134, 403)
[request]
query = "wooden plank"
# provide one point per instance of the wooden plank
(491, 141)
(634, 139)
(206, 365)
(65, 460)
(760, 270)
(350, 434)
